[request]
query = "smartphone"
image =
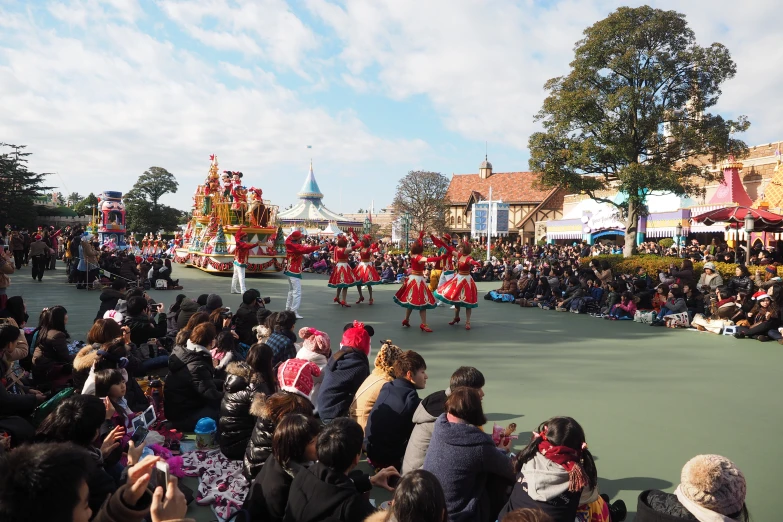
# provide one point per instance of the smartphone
(139, 435)
(162, 475)
(149, 416)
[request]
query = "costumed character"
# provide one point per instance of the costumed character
(365, 271)
(342, 277)
(239, 197)
(145, 245)
(255, 208)
(294, 251)
(447, 250)
(225, 184)
(415, 293)
(241, 254)
(460, 291)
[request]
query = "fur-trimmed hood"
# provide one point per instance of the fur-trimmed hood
(86, 357)
(240, 369)
(258, 406)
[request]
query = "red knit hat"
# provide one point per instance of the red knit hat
(295, 235)
(356, 336)
(296, 376)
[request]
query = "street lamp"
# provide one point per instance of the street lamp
(750, 224)
(367, 225)
(679, 239)
(406, 226)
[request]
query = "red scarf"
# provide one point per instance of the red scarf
(570, 460)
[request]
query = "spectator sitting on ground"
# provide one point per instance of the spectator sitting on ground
(317, 349)
(325, 490)
(211, 303)
(711, 488)
(390, 423)
(432, 407)
(473, 472)
(52, 362)
(187, 308)
(417, 498)
(283, 338)
(142, 326)
(191, 391)
(382, 373)
(17, 402)
(247, 316)
(109, 297)
(345, 373)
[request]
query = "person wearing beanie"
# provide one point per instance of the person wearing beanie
(212, 303)
(317, 349)
(365, 397)
(202, 300)
(712, 489)
(390, 423)
(297, 376)
(187, 308)
(246, 316)
(294, 252)
(345, 372)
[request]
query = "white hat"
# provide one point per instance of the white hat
(114, 314)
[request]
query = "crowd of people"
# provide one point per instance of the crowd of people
(300, 415)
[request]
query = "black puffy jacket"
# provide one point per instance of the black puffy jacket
(740, 284)
(245, 320)
(236, 422)
(259, 448)
(109, 298)
(190, 385)
(657, 506)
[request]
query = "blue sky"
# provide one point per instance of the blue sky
(100, 90)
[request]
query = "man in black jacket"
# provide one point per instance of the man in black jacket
(325, 491)
(142, 329)
(110, 296)
(247, 316)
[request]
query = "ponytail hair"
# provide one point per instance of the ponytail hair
(561, 431)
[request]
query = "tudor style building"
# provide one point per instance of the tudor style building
(527, 203)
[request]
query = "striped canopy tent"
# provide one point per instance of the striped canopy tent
(734, 217)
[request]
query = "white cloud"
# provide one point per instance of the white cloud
(101, 110)
(483, 64)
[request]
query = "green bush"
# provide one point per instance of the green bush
(653, 264)
(666, 242)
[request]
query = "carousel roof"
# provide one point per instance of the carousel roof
(310, 207)
(331, 229)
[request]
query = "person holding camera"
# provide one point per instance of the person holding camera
(145, 329)
(247, 315)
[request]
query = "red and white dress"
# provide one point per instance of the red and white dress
(342, 275)
(365, 272)
(415, 292)
(460, 290)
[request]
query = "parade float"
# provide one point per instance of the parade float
(221, 206)
(110, 221)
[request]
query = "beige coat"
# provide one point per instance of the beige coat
(366, 396)
(20, 349)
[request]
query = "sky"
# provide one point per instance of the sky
(101, 90)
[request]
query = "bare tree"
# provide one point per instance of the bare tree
(423, 195)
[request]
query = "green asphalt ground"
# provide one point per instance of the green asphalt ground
(648, 398)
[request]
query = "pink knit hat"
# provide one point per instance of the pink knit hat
(316, 341)
(296, 376)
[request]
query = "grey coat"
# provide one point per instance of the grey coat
(424, 423)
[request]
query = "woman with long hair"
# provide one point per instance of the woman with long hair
(417, 498)
(51, 359)
(342, 277)
(460, 291)
(764, 316)
(244, 381)
(415, 293)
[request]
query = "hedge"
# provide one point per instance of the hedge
(653, 264)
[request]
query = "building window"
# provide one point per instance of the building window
(452, 221)
(459, 220)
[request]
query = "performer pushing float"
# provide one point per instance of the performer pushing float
(415, 293)
(365, 272)
(241, 254)
(460, 290)
(294, 251)
(342, 277)
(446, 249)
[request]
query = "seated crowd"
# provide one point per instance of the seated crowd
(301, 416)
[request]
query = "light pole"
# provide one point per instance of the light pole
(679, 239)
(750, 224)
(406, 226)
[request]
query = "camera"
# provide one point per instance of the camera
(264, 300)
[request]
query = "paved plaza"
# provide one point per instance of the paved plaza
(648, 398)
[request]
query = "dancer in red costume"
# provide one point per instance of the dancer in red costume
(460, 291)
(294, 252)
(342, 277)
(447, 250)
(241, 255)
(415, 293)
(365, 272)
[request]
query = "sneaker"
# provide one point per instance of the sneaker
(452, 307)
(299, 316)
(762, 338)
(560, 309)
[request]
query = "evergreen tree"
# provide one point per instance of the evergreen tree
(18, 187)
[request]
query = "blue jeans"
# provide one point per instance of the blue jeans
(154, 363)
(775, 334)
(663, 313)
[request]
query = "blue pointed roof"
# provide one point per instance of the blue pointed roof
(310, 188)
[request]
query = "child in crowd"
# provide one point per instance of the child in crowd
(625, 309)
(111, 385)
(316, 348)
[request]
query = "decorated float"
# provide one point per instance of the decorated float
(221, 206)
(110, 221)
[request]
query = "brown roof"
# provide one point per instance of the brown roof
(511, 187)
